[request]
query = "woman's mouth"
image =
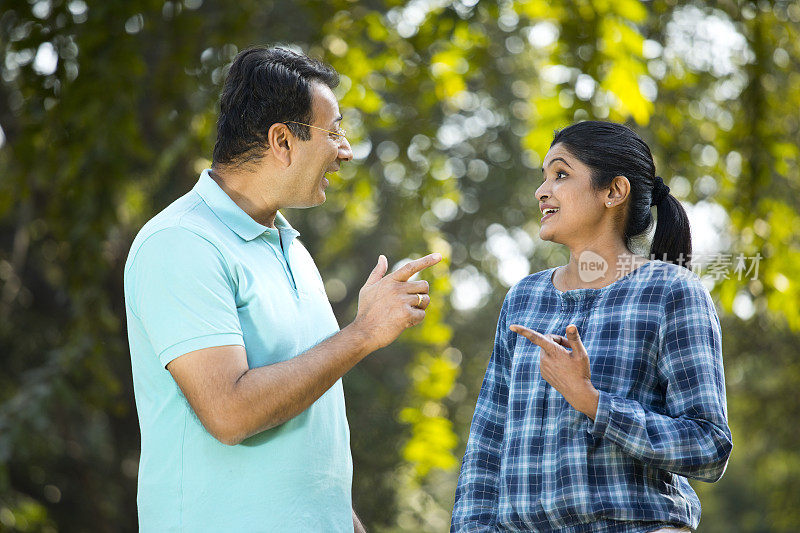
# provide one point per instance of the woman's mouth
(549, 212)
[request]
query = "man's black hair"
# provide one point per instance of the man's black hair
(265, 86)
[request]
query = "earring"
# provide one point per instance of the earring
(609, 203)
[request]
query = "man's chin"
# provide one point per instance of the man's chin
(314, 202)
(318, 200)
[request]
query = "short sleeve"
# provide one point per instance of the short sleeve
(180, 288)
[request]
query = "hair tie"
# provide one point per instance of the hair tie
(660, 191)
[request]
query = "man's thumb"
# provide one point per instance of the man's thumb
(572, 333)
(379, 271)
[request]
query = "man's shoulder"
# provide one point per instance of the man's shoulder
(185, 222)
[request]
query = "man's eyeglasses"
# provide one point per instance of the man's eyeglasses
(341, 133)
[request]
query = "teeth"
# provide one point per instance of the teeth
(549, 210)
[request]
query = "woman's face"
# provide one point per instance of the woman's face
(567, 189)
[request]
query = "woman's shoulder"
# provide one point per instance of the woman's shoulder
(672, 276)
(679, 286)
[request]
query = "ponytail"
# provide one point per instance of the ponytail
(672, 241)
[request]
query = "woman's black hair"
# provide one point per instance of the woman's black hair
(265, 86)
(611, 150)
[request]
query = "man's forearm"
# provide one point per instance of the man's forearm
(235, 402)
(267, 396)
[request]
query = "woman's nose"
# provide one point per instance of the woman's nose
(542, 192)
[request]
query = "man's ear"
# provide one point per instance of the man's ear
(280, 142)
(618, 191)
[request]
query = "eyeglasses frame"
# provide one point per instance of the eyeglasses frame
(341, 133)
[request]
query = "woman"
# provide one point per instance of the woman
(605, 388)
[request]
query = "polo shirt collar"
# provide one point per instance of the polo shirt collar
(284, 227)
(231, 214)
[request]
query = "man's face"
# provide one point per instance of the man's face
(323, 152)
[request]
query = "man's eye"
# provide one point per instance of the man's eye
(560, 175)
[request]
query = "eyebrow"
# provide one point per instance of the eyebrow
(556, 159)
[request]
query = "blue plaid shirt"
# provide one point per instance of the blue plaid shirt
(534, 463)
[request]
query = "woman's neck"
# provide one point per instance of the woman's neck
(594, 267)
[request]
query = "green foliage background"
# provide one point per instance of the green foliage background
(450, 106)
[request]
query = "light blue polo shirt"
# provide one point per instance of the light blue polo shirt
(202, 273)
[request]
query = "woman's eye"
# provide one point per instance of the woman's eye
(560, 175)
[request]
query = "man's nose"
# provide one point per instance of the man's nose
(345, 151)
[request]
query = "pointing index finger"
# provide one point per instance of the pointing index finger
(411, 268)
(533, 336)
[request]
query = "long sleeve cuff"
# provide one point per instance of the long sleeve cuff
(598, 428)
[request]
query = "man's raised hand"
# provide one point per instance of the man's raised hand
(388, 304)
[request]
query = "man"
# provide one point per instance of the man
(236, 354)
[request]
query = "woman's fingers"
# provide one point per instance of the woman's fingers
(563, 342)
(574, 339)
(558, 339)
(549, 342)
(534, 336)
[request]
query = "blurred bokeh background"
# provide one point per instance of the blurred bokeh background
(107, 114)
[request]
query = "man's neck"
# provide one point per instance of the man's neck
(244, 189)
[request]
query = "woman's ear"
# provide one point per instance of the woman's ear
(617, 192)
